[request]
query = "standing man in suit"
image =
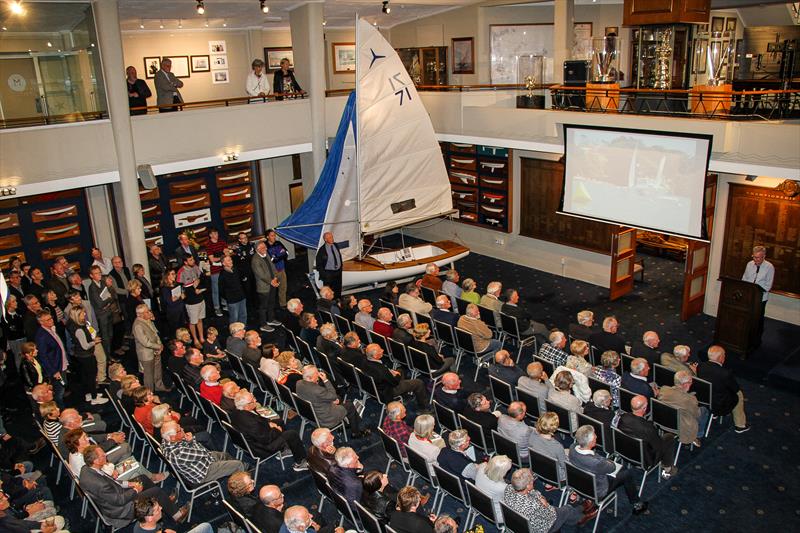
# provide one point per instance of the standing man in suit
(267, 283)
(148, 348)
(102, 301)
(167, 85)
(316, 389)
(726, 395)
(52, 355)
(762, 273)
(329, 263)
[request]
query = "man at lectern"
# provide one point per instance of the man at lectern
(762, 273)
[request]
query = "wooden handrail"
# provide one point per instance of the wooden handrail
(223, 102)
(52, 119)
(691, 91)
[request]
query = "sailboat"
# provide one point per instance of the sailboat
(384, 171)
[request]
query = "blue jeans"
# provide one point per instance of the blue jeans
(237, 312)
(494, 345)
(702, 421)
(205, 527)
(215, 290)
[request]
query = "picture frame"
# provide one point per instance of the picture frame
(612, 30)
(730, 24)
(217, 47)
(344, 57)
(151, 66)
(273, 56)
(507, 41)
(219, 62)
(201, 63)
(582, 40)
(463, 55)
(717, 24)
(219, 76)
(180, 66)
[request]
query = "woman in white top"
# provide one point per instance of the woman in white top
(268, 365)
(421, 441)
(257, 83)
(491, 479)
(77, 441)
(580, 383)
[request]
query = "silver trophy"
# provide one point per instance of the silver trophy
(719, 45)
(605, 59)
(663, 52)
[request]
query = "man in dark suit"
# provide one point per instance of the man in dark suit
(636, 380)
(113, 499)
(191, 371)
(456, 456)
(442, 312)
(656, 448)
(352, 353)
(329, 263)
(525, 322)
(504, 368)
(344, 475)
(30, 325)
(268, 517)
(450, 394)
(389, 382)
(58, 283)
(321, 453)
(600, 409)
(608, 339)
(185, 249)
(582, 455)
(648, 349)
(478, 410)
(52, 355)
(402, 333)
(102, 301)
(297, 519)
(583, 329)
(406, 519)
(265, 437)
(316, 388)
(726, 395)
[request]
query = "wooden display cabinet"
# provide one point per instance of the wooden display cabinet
(426, 65)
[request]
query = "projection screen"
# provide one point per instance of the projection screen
(647, 180)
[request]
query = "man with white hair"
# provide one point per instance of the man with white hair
(328, 341)
(520, 496)
(382, 325)
(679, 359)
(235, 343)
(294, 308)
(451, 288)
(693, 417)
(389, 382)
(636, 380)
(649, 348)
(252, 348)
(229, 390)
(320, 455)
(411, 300)
(328, 263)
(553, 351)
(364, 316)
(584, 328)
(442, 313)
(316, 388)
(344, 476)
(297, 519)
(403, 332)
(191, 459)
(148, 348)
(485, 345)
(450, 394)
(608, 339)
(726, 395)
(762, 273)
(600, 409)
(394, 424)
(210, 388)
(431, 277)
(460, 458)
(492, 301)
(535, 382)
(327, 301)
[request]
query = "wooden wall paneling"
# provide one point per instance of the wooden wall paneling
(189, 203)
(152, 228)
(237, 210)
(235, 194)
(10, 242)
(54, 233)
(149, 211)
(5, 258)
(192, 186)
(643, 12)
(68, 251)
(48, 215)
(232, 179)
(146, 195)
(9, 221)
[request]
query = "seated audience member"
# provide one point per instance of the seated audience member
(389, 383)
(112, 443)
(236, 343)
(491, 300)
(543, 441)
(600, 409)
(505, 369)
(693, 417)
(344, 476)
(383, 325)
(127, 385)
(542, 517)
(491, 479)
(177, 358)
(268, 515)
(211, 347)
(636, 380)
(210, 388)
(269, 364)
(327, 301)
(657, 448)
(115, 374)
(608, 339)
(193, 461)
(145, 401)
(265, 437)
(352, 353)
(648, 349)
(115, 500)
(582, 455)
(376, 497)
(726, 395)
(183, 335)
(51, 423)
(148, 514)
(442, 313)
(191, 371)
(163, 413)
(241, 488)
(411, 300)
(394, 425)
(450, 394)
(536, 381)
(328, 341)
(431, 277)
(478, 410)
(403, 332)
(585, 326)
(297, 519)
(77, 440)
(468, 293)
(349, 306)
(580, 383)
(423, 342)
(513, 427)
(423, 440)
(316, 388)
(291, 370)
(525, 323)
(391, 292)
(12, 524)
(481, 334)
(679, 359)
(251, 353)
(294, 308)
(562, 395)
(450, 287)
(582, 351)
(607, 373)
(321, 454)
(229, 390)
(364, 316)
(553, 351)
(405, 518)
(460, 458)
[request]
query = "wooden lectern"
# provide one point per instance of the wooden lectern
(738, 316)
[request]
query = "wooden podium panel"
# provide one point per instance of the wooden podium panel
(738, 316)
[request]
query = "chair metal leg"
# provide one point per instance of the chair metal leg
(708, 427)
(677, 454)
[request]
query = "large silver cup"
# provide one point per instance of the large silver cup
(605, 59)
(718, 57)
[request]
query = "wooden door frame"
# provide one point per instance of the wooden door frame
(621, 283)
(694, 291)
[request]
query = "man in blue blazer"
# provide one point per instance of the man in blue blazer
(52, 355)
(636, 380)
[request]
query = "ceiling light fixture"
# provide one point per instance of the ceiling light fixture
(264, 6)
(224, 23)
(386, 9)
(201, 8)
(206, 23)
(180, 24)
(16, 7)
(161, 25)
(141, 24)
(324, 22)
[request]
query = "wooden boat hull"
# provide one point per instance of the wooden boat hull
(386, 266)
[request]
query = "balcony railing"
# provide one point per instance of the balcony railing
(46, 120)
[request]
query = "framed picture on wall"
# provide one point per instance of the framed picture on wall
(463, 55)
(180, 66)
(219, 62)
(273, 56)
(344, 57)
(219, 76)
(151, 66)
(217, 47)
(201, 63)
(717, 24)
(582, 40)
(730, 24)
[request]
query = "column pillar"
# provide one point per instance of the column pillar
(129, 209)
(562, 37)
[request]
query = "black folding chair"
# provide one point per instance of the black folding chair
(564, 419)
(481, 504)
(515, 522)
(447, 337)
(663, 376)
(511, 330)
(546, 468)
(392, 449)
(421, 365)
(502, 392)
(668, 419)
(450, 485)
(475, 432)
(507, 447)
(445, 416)
(533, 404)
(243, 447)
(421, 469)
(368, 520)
(599, 430)
(631, 450)
(585, 484)
(342, 324)
(461, 306)
(467, 345)
(428, 295)
(239, 519)
(547, 366)
(399, 353)
(362, 332)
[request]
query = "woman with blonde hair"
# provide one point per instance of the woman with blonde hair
(131, 301)
(491, 479)
(581, 350)
(422, 341)
(85, 343)
(543, 441)
(291, 369)
(422, 440)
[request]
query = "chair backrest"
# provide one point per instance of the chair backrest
(368, 520)
(409, 312)
(482, 502)
(599, 429)
(461, 306)
(237, 364)
(629, 448)
(533, 404)
(325, 364)
(184, 389)
(391, 446)
(502, 391)
(544, 466)
(286, 395)
(343, 506)
(581, 481)
(514, 522)
(428, 294)
(487, 316)
(663, 376)
(465, 341)
(237, 438)
(665, 416)
(445, 416)
(342, 324)
(326, 316)
(594, 355)
(321, 482)
(563, 415)
(475, 432)
(425, 319)
(419, 361)
(418, 464)
(702, 389)
(399, 352)
(510, 325)
(390, 305)
(306, 410)
(507, 447)
(625, 397)
(115, 403)
(380, 340)
(237, 517)
(290, 336)
(362, 332)
(596, 385)
(305, 351)
(348, 372)
(547, 366)
(444, 332)
(450, 483)
(626, 361)
(368, 385)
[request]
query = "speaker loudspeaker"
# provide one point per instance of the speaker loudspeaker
(146, 176)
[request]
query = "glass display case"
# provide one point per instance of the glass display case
(426, 65)
(659, 57)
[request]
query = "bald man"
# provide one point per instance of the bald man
(657, 448)
(268, 516)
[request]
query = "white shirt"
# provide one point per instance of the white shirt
(762, 276)
(255, 85)
(104, 264)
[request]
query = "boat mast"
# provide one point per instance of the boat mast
(358, 148)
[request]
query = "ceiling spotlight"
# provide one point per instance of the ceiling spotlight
(49, 44)
(141, 24)
(201, 8)
(224, 23)
(180, 23)
(386, 9)
(161, 25)
(264, 6)
(206, 23)
(16, 7)
(324, 23)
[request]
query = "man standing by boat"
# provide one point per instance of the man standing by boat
(329, 264)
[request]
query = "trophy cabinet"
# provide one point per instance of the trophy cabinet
(426, 65)
(659, 57)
